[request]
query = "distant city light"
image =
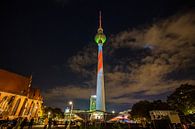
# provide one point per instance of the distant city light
(70, 102)
(67, 110)
(94, 96)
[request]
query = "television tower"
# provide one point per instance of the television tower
(100, 39)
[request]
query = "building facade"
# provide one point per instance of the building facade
(92, 103)
(17, 97)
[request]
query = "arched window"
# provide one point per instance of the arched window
(23, 107)
(10, 103)
(16, 107)
(36, 110)
(28, 108)
(31, 108)
(3, 102)
(11, 100)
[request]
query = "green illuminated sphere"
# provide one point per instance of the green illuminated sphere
(100, 38)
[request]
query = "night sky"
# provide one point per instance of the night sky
(149, 51)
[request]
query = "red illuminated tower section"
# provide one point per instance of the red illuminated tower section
(100, 39)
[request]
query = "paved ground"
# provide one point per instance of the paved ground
(41, 127)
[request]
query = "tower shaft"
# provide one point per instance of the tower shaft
(100, 91)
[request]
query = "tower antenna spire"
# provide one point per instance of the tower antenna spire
(100, 19)
(100, 36)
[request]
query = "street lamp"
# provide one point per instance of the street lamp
(49, 114)
(70, 103)
(71, 109)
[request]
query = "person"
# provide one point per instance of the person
(46, 123)
(66, 124)
(31, 123)
(14, 122)
(23, 123)
(78, 124)
(19, 121)
(50, 123)
(55, 123)
(185, 126)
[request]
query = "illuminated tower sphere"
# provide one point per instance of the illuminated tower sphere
(100, 39)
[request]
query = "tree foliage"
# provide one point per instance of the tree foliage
(141, 109)
(160, 105)
(54, 112)
(183, 99)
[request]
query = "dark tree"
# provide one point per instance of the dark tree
(54, 112)
(141, 109)
(58, 113)
(183, 99)
(160, 105)
(46, 110)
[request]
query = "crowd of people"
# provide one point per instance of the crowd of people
(20, 123)
(48, 123)
(17, 123)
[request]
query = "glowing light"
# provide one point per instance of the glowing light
(70, 103)
(93, 96)
(67, 110)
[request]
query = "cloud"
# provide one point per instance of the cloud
(71, 92)
(151, 61)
